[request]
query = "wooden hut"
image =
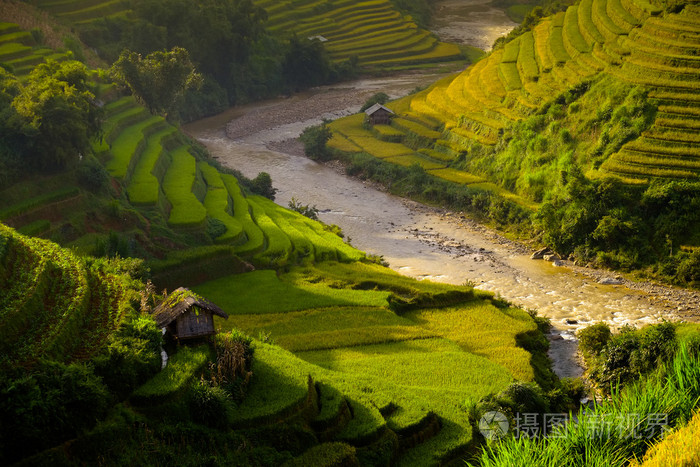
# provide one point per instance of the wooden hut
(186, 315)
(379, 115)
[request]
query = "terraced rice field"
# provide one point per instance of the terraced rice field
(371, 30)
(20, 52)
(629, 39)
(421, 364)
(51, 295)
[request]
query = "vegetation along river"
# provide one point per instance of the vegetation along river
(417, 240)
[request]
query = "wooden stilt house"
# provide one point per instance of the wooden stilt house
(186, 315)
(379, 115)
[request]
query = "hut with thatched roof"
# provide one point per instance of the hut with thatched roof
(379, 115)
(186, 315)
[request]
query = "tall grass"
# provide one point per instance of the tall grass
(616, 430)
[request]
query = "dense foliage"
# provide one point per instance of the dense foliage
(228, 43)
(617, 360)
(48, 121)
(158, 80)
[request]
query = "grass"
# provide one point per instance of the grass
(186, 210)
(482, 329)
(511, 76)
(262, 291)
(84, 297)
(241, 211)
(571, 32)
(457, 176)
(27, 205)
(556, 45)
(672, 393)
(424, 363)
(341, 143)
(181, 369)
(527, 63)
(127, 145)
(144, 186)
(511, 51)
(279, 246)
(373, 31)
(217, 204)
(681, 447)
(413, 159)
(541, 36)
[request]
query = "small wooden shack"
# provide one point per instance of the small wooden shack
(379, 115)
(186, 315)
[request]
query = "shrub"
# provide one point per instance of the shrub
(303, 209)
(378, 98)
(314, 139)
(632, 353)
(262, 185)
(215, 227)
(593, 339)
(208, 404)
(126, 363)
(231, 370)
(53, 403)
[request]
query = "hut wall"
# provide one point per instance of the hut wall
(192, 324)
(380, 117)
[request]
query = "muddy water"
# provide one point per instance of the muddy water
(470, 22)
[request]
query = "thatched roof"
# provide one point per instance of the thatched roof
(179, 302)
(376, 107)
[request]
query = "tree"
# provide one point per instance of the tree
(315, 139)
(262, 185)
(159, 79)
(57, 114)
(305, 64)
(378, 98)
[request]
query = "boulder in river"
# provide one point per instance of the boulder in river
(551, 257)
(539, 254)
(610, 281)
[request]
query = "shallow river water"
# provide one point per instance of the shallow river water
(416, 240)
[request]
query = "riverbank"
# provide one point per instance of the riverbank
(422, 241)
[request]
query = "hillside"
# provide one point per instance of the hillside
(355, 326)
(373, 31)
(354, 374)
(58, 305)
(606, 89)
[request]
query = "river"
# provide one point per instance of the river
(416, 240)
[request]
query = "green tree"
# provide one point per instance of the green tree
(314, 139)
(57, 114)
(305, 64)
(378, 98)
(157, 80)
(262, 185)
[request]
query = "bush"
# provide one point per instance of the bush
(53, 403)
(208, 404)
(378, 98)
(593, 339)
(262, 185)
(315, 139)
(215, 227)
(303, 209)
(633, 353)
(231, 370)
